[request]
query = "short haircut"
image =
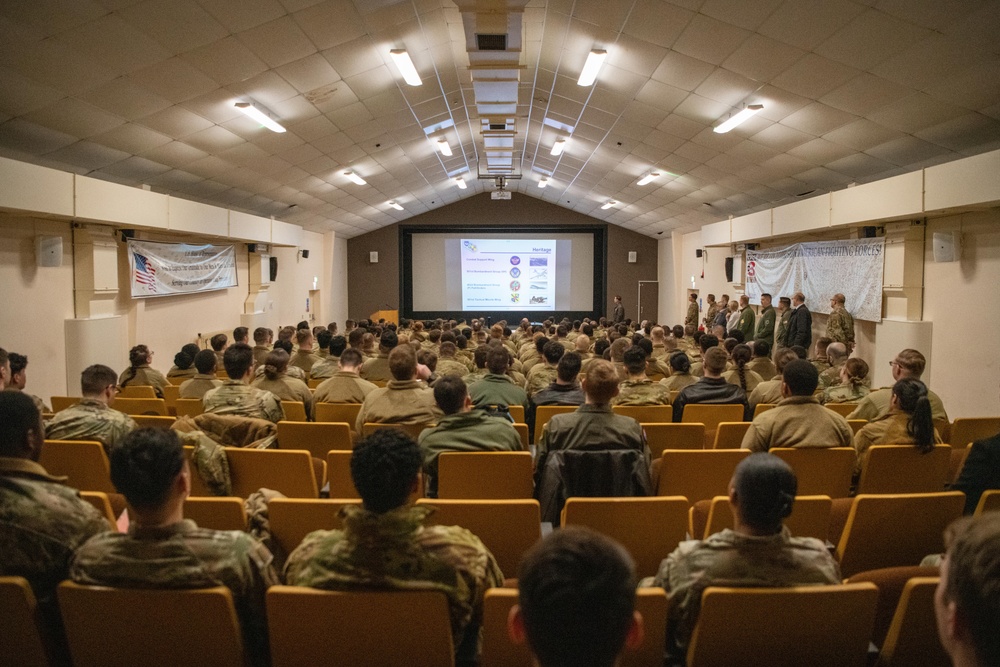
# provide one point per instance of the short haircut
(912, 362)
(708, 341)
(241, 334)
(145, 464)
(784, 357)
(601, 381)
(95, 379)
(260, 335)
(765, 294)
(303, 336)
(18, 416)
(285, 345)
(497, 359)
(18, 362)
(480, 357)
(238, 359)
(569, 367)
(449, 393)
(337, 345)
(761, 348)
(403, 363)
(384, 466)
(785, 300)
(218, 341)
(388, 340)
(601, 345)
(323, 338)
(634, 360)
(356, 337)
(839, 298)
(351, 357)
(801, 377)
(553, 351)
(822, 343)
(205, 362)
(427, 358)
(800, 351)
(576, 591)
(448, 349)
(645, 345)
(973, 581)
(765, 488)
(715, 360)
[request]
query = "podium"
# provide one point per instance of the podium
(387, 315)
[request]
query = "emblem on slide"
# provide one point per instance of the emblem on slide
(539, 299)
(515, 285)
(515, 297)
(515, 260)
(470, 245)
(515, 272)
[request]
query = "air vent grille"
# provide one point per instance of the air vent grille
(498, 126)
(491, 42)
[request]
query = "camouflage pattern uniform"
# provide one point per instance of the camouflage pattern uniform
(326, 368)
(288, 389)
(291, 371)
(396, 551)
(729, 558)
(90, 419)
(451, 366)
(304, 360)
(797, 421)
(495, 389)
(343, 387)
(657, 369)
(472, 431)
(830, 377)
(821, 364)
(377, 368)
(399, 402)
(709, 320)
(260, 353)
(144, 376)
(185, 373)
(692, 314)
(241, 400)
(198, 386)
(840, 327)
(876, 405)
(39, 403)
(641, 392)
(540, 377)
(183, 555)
(844, 393)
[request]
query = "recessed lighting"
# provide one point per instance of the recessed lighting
(254, 111)
(609, 204)
(460, 182)
(354, 178)
(405, 66)
(395, 205)
(593, 65)
(648, 178)
(558, 146)
(543, 182)
(740, 117)
(444, 147)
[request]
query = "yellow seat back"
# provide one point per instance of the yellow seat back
(141, 406)
(102, 504)
(22, 641)
(171, 393)
(543, 413)
(291, 519)
(711, 416)
(820, 471)
(189, 407)
(337, 412)
(913, 637)
(289, 471)
(904, 469)
(485, 475)
(810, 517)
(842, 409)
(966, 430)
(82, 461)
(315, 437)
(698, 475)
(412, 430)
(729, 435)
(988, 502)
(653, 414)
(137, 391)
(158, 421)
(216, 513)
(761, 407)
(660, 436)
(294, 411)
(60, 403)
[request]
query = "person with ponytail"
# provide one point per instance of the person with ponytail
(909, 422)
(680, 372)
(184, 367)
(278, 382)
(742, 376)
(758, 551)
(852, 388)
(140, 374)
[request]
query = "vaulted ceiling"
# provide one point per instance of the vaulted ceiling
(142, 92)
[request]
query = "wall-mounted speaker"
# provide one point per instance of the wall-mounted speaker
(305, 254)
(699, 252)
(947, 246)
(633, 257)
(251, 247)
(48, 250)
(274, 268)
(729, 269)
(373, 257)
(868, 232)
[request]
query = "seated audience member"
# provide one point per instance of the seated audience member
(93, 417)
(19, 379)
(376, 369)
(461, 429)
(761, 363)
(680, 375)
(907, 364)
(384, 544)
(581, 345)
(205, 380)
(798, 420)
(821, 361)
(758, 551)
(140, 374)
(565, 389)
(330, 364)
(184, 363)
(542, 375)
(907, 422)
(448, 363)
(741, 376)
(800, 351)
(836, 354)
(162, 549)
(851, 388)
(263, 340)
(706, 343)
(305, 357)
(531, 352)
(495, 388)
(659, 339)
(241, 335)
(427, 366)
(601, 346)
(346, 385)
(277, 381)
(291, 371)
(323, 338)
(236, 397)
(656, 369)
(967, 600)
(404, 400)
(981, 471)
(219, 343)
(594, 425)
(769, 391)
(712, 388)
(638, 389)
(576, 600)
(42, 521)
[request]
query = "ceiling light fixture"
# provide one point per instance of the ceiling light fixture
(395, 205)
(460, 182)
(593, 65)
(609, 204)
(405, 66)
(737, 119)
(648, 178)
(254, 111)
(558, 146)
(444, 147)
(354, 178)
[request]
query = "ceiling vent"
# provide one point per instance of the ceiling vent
(491, 42)
(498, 126)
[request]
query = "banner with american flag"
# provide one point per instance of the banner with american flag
(162, 269)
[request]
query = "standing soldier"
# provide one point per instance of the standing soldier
(748, 320)
(840, 326)
(765, 325)
(692, 314)
(713, 310)
(785, 310)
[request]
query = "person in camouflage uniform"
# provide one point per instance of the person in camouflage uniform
(758, 552)
(852, 388)
(384, 543)
(305, 357)
(840, 324)
(542, 375)
(781, 331)
(404, 400)
(638, 389)
(836, 356)
(163, 550)
(448, 363)
(140, 373)
(235, 396)
(377, 367)
(713, 310)
(277, 381)
(691, 318)
(263, 339)
(204, 381)
(19, 379)
(183, 367)
(42, 521)
(93, 418)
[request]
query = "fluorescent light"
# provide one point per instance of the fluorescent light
(460, 182)
(738, 118)
(444, 147)
(543, 182)
(251, 110)
(648, 178)
(593, 65)
(354, 178)
(558, 146)
(609, 204)
(395, 205)
(405, 66)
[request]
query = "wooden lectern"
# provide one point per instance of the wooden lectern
(388, 315)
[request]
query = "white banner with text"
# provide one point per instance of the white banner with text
(162, 269)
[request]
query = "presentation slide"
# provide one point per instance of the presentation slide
(502, 274)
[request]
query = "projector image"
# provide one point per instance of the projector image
(500, 194)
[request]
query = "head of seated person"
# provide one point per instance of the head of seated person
(205, 361)
(761, 348)
(707, 342)
(497, 359)
(568, 370)
(238, 361)
(21, 430)
(553, 352)
(99, 382)
(337, 345)
(679, 362)
(148, 467)
(714, 362)
(799, 378)
(600, 384)
(276, 364)
(635, 361)
(350, 361)
(403, 363)
(761, 494)
(452, 395)
(218, 342)
(385, 468)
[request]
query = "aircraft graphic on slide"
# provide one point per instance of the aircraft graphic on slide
(539, 273)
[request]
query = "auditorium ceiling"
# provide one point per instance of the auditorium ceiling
(142, 92)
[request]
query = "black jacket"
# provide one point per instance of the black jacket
(981, 471)
(710, 390)
(800, 324)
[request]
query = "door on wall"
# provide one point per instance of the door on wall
(649, 298)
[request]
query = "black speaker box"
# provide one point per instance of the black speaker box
(729, 269)
(305, 254)
(274, 269)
